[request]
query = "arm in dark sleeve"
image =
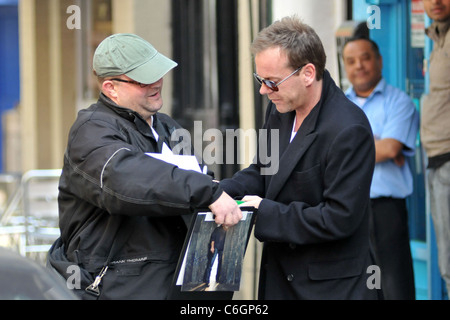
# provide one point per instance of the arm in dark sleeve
(246, 182)
(116, 176)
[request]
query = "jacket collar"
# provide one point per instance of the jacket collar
(310, 122)
(379, 88)
(131, 116)
(437, 30)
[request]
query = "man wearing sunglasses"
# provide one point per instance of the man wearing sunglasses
(110, 189)
(313, 212)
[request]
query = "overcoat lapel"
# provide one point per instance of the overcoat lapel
(291, 153)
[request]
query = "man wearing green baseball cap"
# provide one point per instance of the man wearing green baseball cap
(124, 214)
(131, 73)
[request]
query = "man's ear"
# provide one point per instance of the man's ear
(109, 89)
(309, 72)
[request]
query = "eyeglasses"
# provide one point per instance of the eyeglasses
(142, 85)
(272, 85)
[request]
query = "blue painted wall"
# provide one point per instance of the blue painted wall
(9, 62)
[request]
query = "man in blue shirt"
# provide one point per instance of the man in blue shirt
(394, 121)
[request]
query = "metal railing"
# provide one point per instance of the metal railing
(29, 221)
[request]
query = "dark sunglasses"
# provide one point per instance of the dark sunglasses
(272, 85)
(142, 85)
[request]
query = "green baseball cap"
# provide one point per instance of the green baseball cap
(129, 54)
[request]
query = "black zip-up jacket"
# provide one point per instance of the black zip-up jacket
(106, 173)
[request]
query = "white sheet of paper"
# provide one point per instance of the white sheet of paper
(181, 161)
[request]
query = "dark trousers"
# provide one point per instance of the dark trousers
(389, 235)
(211, 258)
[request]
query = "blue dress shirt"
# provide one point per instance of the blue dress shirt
(391, 114)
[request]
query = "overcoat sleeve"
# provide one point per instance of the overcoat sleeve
(117, 176)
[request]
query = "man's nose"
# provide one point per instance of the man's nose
(359, 64)
(264, 89)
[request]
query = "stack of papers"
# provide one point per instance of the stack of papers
(181, 161)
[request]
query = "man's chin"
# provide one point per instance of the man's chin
(282, 108)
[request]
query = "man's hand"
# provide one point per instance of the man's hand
(252, 201)
(399, 160)
(226, 210)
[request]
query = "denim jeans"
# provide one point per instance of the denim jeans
(439, 193)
